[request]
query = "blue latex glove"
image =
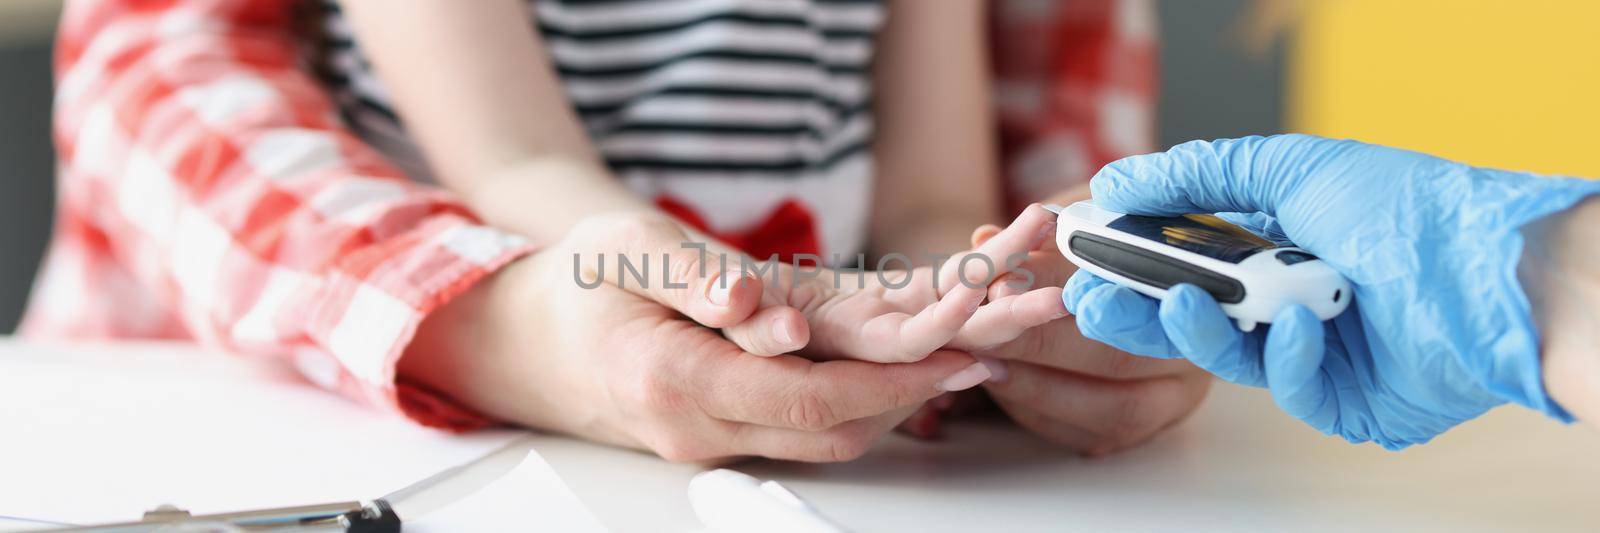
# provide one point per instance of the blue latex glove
(1440, 330)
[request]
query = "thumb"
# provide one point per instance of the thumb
(1247, 175)
(653, 257)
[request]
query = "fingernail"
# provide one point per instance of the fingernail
(967, 378)
(721, 289)
(999, 371)
(780, 332)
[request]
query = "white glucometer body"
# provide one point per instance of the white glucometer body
(1251, 277)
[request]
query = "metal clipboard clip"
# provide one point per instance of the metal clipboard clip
(352, 517)
(375, 516)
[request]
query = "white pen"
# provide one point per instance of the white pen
(730, 501)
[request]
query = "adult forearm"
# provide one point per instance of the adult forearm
(1561, 272)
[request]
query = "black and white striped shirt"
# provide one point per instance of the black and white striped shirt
(736, 109)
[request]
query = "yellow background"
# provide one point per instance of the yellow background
(1509, 84)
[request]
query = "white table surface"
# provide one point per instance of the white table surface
(103, 433)
(1238, 464)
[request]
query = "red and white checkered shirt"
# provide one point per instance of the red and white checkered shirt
(209, 191)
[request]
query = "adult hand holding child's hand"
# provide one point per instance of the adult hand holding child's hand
(896, 316)
(641, 366)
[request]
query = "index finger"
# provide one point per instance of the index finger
(793, 392)
(1025, 234)
(702, 286)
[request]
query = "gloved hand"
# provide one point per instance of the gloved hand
(1440, 330)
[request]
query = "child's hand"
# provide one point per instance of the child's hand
(638, 366)
(902, 316)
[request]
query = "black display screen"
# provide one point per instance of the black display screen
(1206, 235)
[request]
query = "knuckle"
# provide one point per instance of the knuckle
(685, 267)
(810, 412)
(654, 395)
(754, 341)
(901, 395)
(807, 297)
(1015, 314)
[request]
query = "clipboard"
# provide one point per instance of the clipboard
(374, 516)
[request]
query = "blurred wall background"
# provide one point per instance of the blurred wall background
(1210, 88)
(26, 159)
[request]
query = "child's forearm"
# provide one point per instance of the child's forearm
(543, 197)
(479, 95)
(936, 156)
(924, 240)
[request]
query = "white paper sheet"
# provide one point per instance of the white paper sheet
(93, 434)
(528, 498)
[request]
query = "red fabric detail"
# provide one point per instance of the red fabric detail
(789, 231)
(1060, 65)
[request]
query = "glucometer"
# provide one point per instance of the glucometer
(1252, 278)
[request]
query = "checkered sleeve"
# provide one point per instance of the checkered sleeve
(205, 177)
